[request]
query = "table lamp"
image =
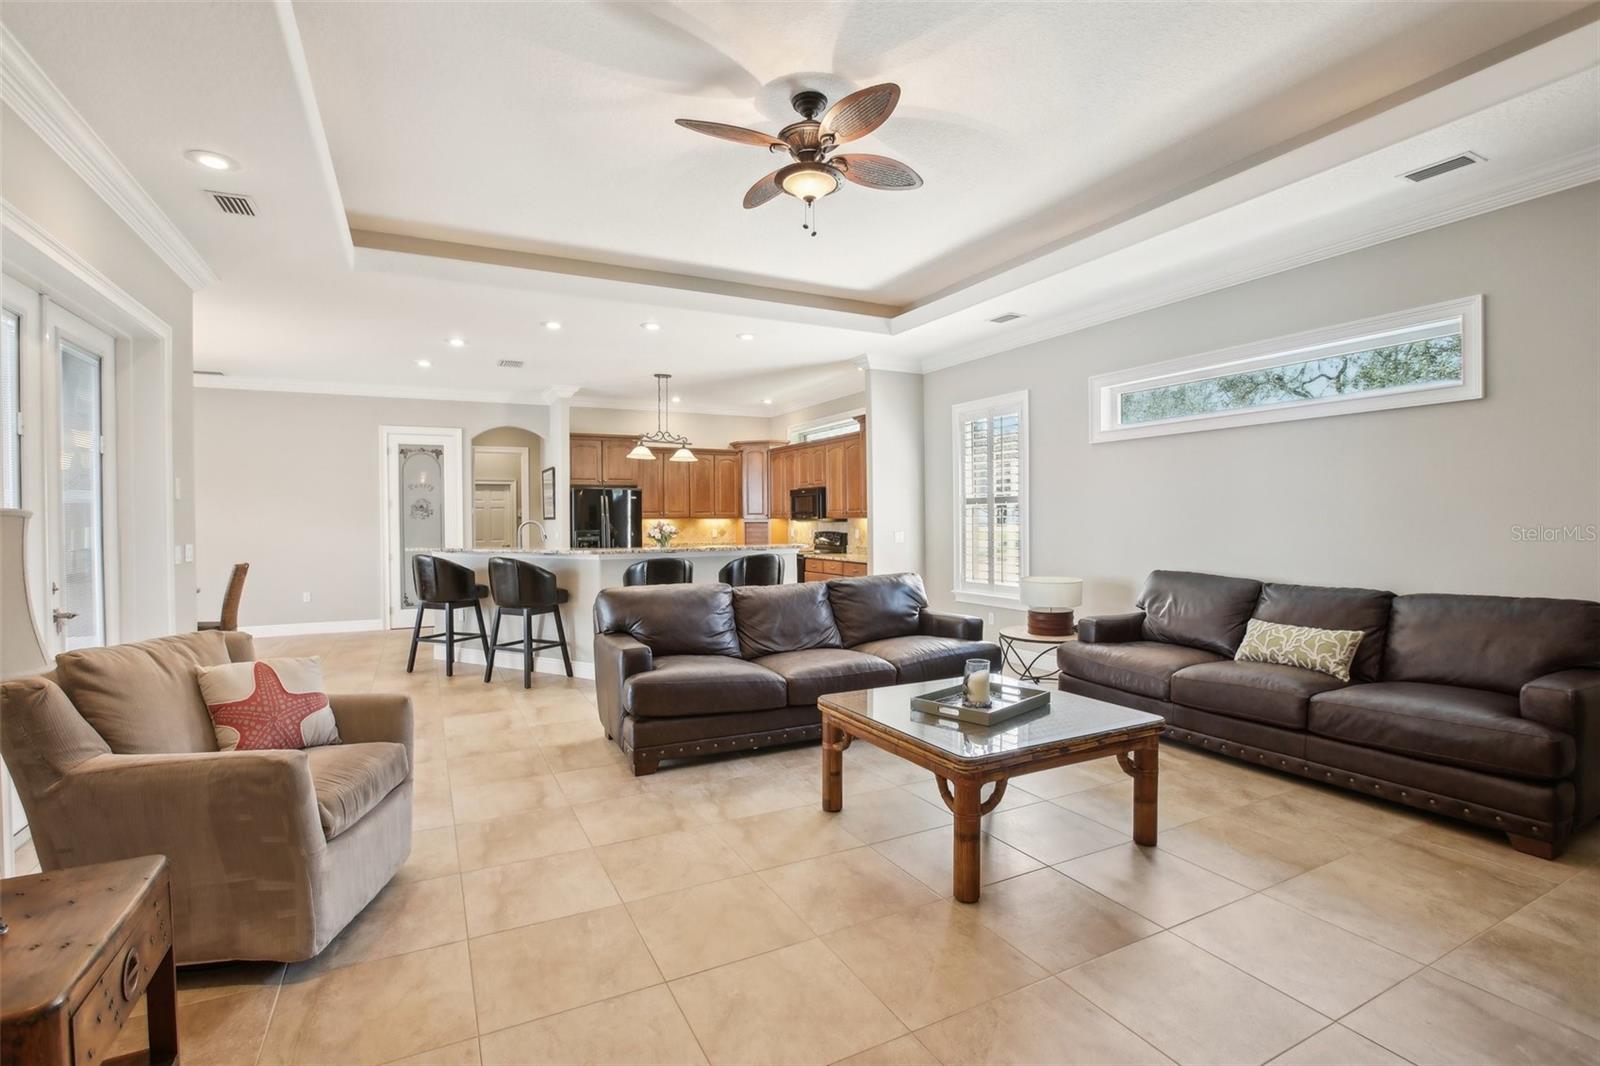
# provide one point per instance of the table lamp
(1050, 601)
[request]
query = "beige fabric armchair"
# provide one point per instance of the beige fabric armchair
(272, 852)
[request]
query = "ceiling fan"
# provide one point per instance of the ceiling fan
(816, 172)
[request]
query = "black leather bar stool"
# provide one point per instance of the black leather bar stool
(448, 587)
(763, 569)
(670, 570)
(528, 590)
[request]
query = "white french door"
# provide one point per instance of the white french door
(81, 383)
(422, 511)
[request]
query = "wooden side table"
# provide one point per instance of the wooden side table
(1023, 663)
(84, 944)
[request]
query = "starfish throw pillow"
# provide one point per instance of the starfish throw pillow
(271, 703)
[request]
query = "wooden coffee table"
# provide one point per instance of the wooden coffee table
(964, 758)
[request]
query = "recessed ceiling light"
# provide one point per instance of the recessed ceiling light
(650, 327)
(768, 400)
(747, 336)
(210, 160)
(424, 363)
(677, 399)
(552, 326)
(456, 342)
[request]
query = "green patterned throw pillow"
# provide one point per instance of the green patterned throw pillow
(1327, 651)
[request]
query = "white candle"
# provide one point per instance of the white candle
(978, 687)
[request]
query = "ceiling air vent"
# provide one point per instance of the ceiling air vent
(1009, 316)
(233, 204)
(1444, 166)
(510, 364)
(208, 373)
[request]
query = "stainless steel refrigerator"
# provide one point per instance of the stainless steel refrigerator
(606, 518)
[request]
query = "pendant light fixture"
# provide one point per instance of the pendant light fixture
(661, 436)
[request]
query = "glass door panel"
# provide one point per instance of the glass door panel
(80, 606)
(422, 511)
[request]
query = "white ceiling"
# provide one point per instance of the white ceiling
(1081, 160)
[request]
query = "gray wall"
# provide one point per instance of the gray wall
(895, 497)
(707, 431)
(288, 483)
(40, 185)
(1418, 499)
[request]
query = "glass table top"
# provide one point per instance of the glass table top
(1069, 717)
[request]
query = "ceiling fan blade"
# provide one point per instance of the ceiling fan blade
(732, 133)
(877, 171)
(860, 113)
(763, 190)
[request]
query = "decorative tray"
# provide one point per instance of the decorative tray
(1007, 699)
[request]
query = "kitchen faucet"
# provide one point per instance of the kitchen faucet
(543, 537)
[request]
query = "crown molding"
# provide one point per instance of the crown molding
(1580, 168)
(30, 92)
(300, 70)
(390, 392)
(726, 410)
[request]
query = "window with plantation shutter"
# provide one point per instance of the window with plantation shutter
(991, 471)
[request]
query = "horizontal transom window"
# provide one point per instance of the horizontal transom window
(1426, 355)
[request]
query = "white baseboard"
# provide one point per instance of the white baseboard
(300, 629)
(510, 660)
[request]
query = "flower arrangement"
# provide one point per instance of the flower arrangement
(661, 532)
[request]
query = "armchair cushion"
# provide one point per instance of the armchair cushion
(681, 619)
(1206, 611)
(351, 779)
(143, 698)
(923, 658)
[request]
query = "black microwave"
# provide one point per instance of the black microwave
(808, 503)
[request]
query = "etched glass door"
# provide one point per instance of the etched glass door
(423, 509)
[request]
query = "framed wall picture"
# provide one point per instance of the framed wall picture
(547, 489)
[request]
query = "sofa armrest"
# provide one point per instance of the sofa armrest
(1111, 628)
(617, 657)
(368, 716)
(954, 626)
(1567, 701)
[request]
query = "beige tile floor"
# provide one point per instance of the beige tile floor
(557, 909)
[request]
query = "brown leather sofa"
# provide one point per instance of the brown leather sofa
(1483, 708)
(688, 670)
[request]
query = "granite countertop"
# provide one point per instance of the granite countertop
(843, 557)
(676, 549)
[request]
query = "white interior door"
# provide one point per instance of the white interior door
(422, 508)
(82, 528)
(494, 513)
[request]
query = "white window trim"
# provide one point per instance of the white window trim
(1105, 390)
(795, 432)
(988, 595)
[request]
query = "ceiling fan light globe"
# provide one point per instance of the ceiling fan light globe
(809, 181)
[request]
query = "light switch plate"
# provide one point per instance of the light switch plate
(188, 553)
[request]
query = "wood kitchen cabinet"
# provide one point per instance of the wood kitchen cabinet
(675, 487)
(584, 455)
(855, 478)
(652, 502)
(712, 487)
(615, 466)
(838, 465)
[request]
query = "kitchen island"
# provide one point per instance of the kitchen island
(582, 572)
